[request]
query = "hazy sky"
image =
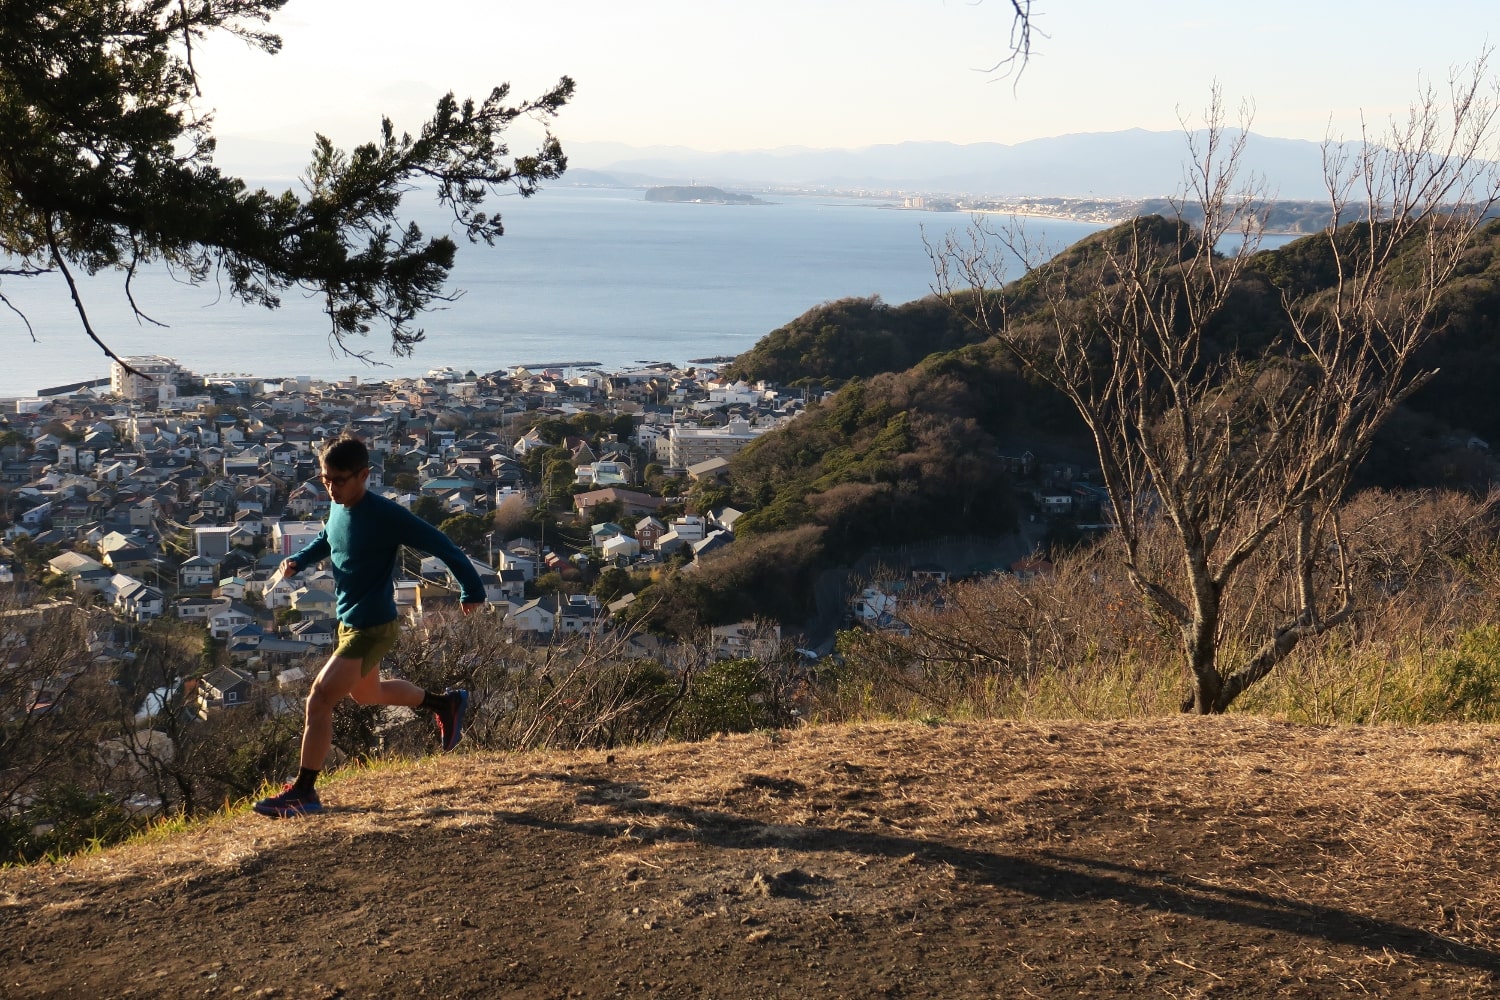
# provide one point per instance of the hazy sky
(840, 73)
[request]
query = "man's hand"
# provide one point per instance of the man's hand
(287, 568)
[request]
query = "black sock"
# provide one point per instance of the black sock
(434, 702)
(305, 778)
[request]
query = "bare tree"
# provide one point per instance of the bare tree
(54, 710)
(1237, 446)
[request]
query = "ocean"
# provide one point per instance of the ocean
(581, 275)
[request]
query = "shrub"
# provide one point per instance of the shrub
(732, 696)
(1465, 681)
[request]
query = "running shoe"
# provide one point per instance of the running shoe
(451, 719)
(289, 803)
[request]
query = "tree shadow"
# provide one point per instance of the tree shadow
(1047, 875)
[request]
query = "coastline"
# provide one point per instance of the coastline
(1101, 222)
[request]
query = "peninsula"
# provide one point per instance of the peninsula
(700, 195)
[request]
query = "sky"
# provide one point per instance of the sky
(840, 73)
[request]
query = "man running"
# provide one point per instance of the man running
(362, 540)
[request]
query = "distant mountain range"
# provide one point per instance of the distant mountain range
(1106, 165)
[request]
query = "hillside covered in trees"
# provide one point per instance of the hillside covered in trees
(909, 447)
(853, 338)
(862, 338)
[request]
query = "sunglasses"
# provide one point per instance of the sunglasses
(334, 482)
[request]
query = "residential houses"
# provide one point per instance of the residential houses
(222, 688)
(745, 640)
(178, 495)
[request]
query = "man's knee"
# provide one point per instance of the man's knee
(336, 680)
(320, 700)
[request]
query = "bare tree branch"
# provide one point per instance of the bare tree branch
(1022, 25)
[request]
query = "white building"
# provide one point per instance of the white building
(293, 536)
(620, 547)
(145, 383)
(689, 445)
(746, 640)
(212, 541)
(523, 562)
(735, 394)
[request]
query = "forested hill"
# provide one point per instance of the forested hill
(1423, 445)
(853, 338)
(899, 458)
(909, 448)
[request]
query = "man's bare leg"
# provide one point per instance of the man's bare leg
(341, 676)
(371, 690)
(448, 707)
(337, 678)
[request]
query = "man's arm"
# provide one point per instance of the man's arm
(420, 535)
(313, 552)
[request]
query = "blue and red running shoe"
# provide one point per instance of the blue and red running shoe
(289, 803)
(451, 719)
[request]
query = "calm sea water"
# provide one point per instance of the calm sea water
(581, 275)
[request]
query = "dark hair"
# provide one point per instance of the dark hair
(348, 454)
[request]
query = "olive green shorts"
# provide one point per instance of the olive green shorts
(368, 645)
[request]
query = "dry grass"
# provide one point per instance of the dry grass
(1179, 857)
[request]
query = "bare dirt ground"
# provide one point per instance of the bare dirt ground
(1181, 858)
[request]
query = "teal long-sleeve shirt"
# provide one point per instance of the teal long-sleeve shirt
(362, 542)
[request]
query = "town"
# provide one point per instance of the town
(172, 494)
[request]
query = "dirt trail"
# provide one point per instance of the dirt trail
(1181, 857)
